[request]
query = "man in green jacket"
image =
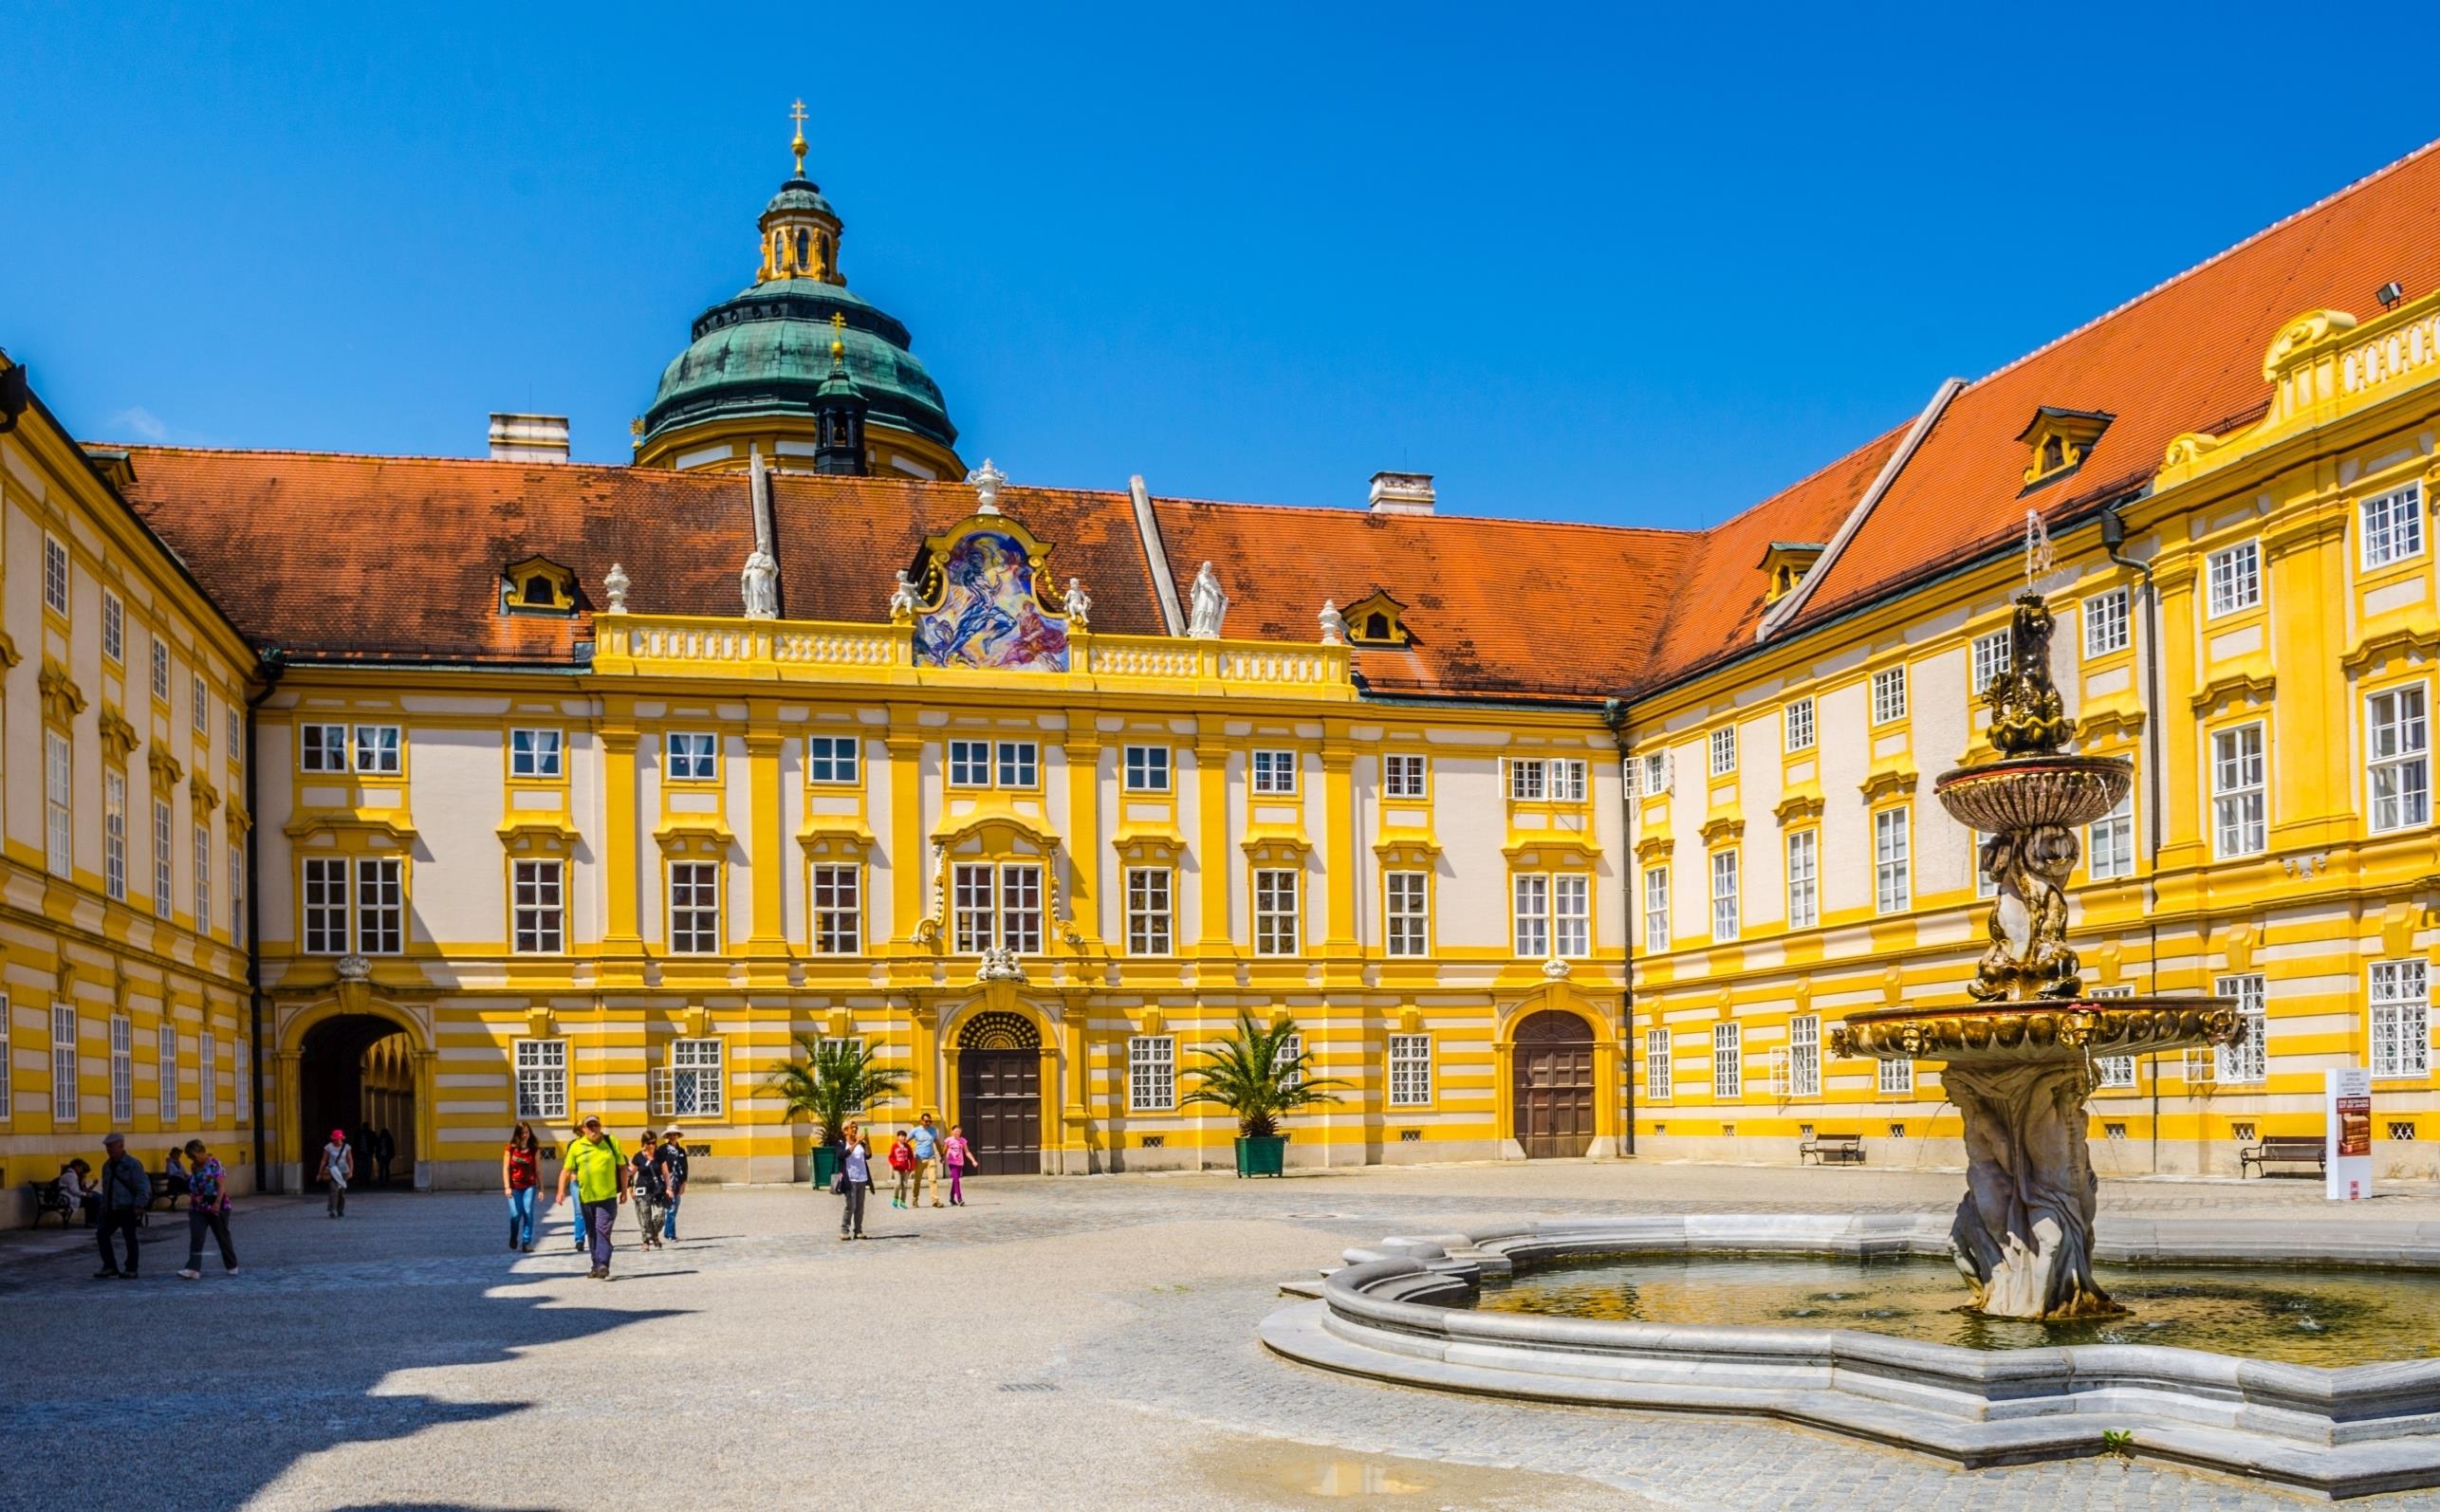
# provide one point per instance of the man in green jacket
(594, 1168)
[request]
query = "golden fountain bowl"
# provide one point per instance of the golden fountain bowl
(2020, 792)
(2048, 1030)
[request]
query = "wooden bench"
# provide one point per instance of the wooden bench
(2304, 1149)
(1843, 1148)
(164, 1191)
(48, 1199)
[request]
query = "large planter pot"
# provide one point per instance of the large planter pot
(825, 1165)
(1261, 1157)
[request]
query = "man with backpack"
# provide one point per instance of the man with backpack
(126, 1190)
(671, 1158)
(645, 1181)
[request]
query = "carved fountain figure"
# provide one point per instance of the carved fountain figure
(2019, 1059)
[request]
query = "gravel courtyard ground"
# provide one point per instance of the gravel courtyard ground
(1059, 1343)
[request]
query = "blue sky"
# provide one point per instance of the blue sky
(1615, 264)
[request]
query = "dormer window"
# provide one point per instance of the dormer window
(537, 586)
(2059, 439)
(1377, 619)
(1784, 565)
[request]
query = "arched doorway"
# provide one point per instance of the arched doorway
(999, 1093)
(356, 1071)
(1553, 1082)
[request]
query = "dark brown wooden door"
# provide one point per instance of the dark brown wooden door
(999, 1101)
(1554, 1084)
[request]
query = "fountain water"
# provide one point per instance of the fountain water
(2019, 1061)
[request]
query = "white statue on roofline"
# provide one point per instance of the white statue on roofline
(760, 583)
(1210, 606)
(1079, 605)
(1334, 624)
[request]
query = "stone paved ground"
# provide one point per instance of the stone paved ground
(1075, 1343)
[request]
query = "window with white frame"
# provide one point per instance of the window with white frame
(2234, 579)
(974, 891)
(2397, 756)
(160, 669)
(1727, 1062)
(2240, 815)
(534, 753)
(1658, 1077)
(54, 574)
(998, 905)
(1889, 695)
(540, 899)
(1275, 912)
(694, 756)
(1896, 1078)
(970, 764)
(1409, 917)
(1529, 911)
(1147, 768)
(1150, 924)
(695, 1086)
(1804, 1056)
(114, 627)
(114, 835)
(229, 727)
(1409, 1070)
(165, 1057)
(2109, 849)
(243, 1075)
(1274, 771)
(377, 750)
(2401, 1002)
(1020, 763)
(1723, 896)
(123, 1069)
(1655, 773)
(59, 787)
(380, 905)
(2114, 1073)
(542, 1079)
(695, 907)
(2393, 526)
(207, 1078)
(832, 759)
(1526, 780)
(203, 879)
(1798, 723)
(63, 1067)
(2105, 622)
(838, 908)
(1571, 915)
(322, 748)
(1803, 878)
(162, 864)
(236, 890)
(8, 1057)
(203, 696)
(1993, 655)
(2246, 1057)
(325, 891)
(1402, 775)
(1286, 1059)
(1565, 780)
(1656, 907)
(1021, 908)
(1724, 750)
(1893, 877)
(1152, 1073)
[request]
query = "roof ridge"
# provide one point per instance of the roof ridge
(2216, 258)
(1349, 512)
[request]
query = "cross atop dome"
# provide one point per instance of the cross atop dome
(796, 112)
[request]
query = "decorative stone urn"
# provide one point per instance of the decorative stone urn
(2018, 1061)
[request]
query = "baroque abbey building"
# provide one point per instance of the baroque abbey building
(1555, 840)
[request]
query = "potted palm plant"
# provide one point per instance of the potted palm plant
(829, 1082)
(1250, 1073)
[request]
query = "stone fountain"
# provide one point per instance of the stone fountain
(2019, 1059)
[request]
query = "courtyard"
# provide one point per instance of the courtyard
(1057, 1343)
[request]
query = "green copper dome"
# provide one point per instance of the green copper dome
(768, 350)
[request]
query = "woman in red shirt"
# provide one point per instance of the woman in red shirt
(520, 1174)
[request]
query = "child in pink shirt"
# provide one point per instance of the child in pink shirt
(957, 1155)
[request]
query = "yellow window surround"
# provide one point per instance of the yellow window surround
(1785, 564)
(2059, 439)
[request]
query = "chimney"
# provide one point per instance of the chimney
(1402, 493)
(529, 438)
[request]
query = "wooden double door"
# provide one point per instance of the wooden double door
(1553, 1084)
(999, 1101)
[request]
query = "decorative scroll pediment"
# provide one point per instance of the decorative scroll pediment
(62, 699)
(207, 796)
(119, 737)
(167, 772)
(979, 604)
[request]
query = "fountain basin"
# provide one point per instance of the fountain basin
(2027, 792)
(1400, 1311)
(2042, 1031)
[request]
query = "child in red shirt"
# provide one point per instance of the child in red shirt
(902, 1162)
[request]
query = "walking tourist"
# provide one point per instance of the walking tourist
(957, 1155)
(207, 1211)
(671, 1158)
(384, 1148)
(76, 1189)
(594, 1168)
(520, 1173)
(855, 1179)
(126, 1191)
(902, 1165)
(337, 1166)
(925, 1145)
(644, 1182)
(577, 1213)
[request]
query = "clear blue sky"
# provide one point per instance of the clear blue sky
(1637, 266)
